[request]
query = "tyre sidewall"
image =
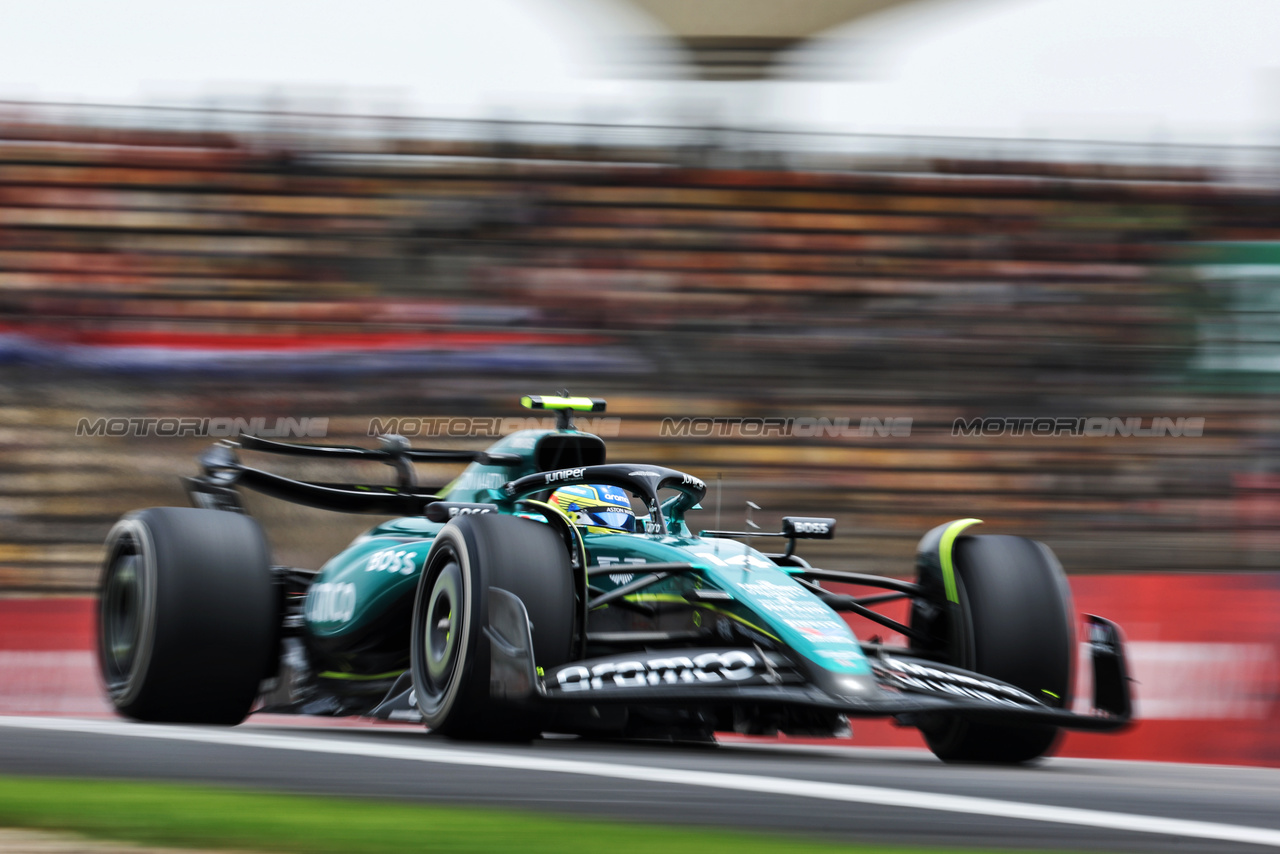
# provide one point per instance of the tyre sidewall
(210, 615)
(1015, 624)
(523, 557)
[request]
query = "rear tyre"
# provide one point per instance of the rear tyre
(1016, 624)
(187, 615)
(449, 649)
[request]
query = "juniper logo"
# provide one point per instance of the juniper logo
(802, 428)
(173, 427)
(1094, 427)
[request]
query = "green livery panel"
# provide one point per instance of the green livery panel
(362, 583)
(765, 598)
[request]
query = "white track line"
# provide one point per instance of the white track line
(777, 786)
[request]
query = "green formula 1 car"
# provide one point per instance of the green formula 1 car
(548, 590)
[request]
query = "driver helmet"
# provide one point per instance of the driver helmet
(598, 509)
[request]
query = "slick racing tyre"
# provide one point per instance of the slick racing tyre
(1015, 624)
(450, 648)
(187, 615)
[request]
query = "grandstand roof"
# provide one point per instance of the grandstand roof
(739, 39)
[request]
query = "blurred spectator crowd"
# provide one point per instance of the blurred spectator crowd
(175, 268)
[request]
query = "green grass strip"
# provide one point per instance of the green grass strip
(189, 816)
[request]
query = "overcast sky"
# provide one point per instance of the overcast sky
(1137, 69)
(1150, 70)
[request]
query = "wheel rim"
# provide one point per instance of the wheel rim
(121, 616)
(441, 637)
(440, 633)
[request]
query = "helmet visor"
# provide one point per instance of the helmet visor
(619, 520)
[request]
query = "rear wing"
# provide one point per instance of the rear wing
(223, 472)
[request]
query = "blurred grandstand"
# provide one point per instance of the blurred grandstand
(244, 264)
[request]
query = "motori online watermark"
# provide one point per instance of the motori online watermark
(800, 427)
(1092, 427)
(474, 427)
(172, 427)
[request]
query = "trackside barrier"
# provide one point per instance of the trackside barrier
(47, 662)
(1204, 650)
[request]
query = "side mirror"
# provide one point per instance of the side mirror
(808, 527)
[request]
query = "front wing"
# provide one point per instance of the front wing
(898, 686)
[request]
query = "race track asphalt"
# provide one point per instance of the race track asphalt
(834, 793)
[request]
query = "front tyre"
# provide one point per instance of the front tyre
(1014, 622)
(449, 648)
(187, 615)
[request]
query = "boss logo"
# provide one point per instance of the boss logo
(468, 511)
(811, 528)
(400, 562)
(443, 511)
